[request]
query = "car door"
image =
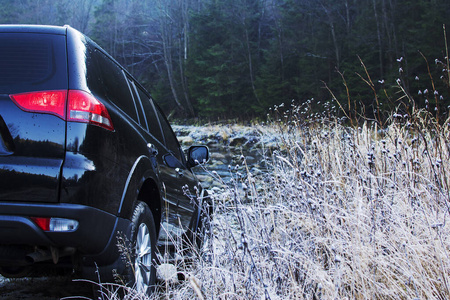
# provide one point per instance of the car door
(177, 180)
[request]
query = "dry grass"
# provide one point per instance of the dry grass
(357, 214)
(343, 213)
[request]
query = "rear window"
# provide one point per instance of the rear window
(32, 62)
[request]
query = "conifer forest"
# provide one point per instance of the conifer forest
(222, 59)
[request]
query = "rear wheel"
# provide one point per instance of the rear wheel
(144, 249)
(15, 272)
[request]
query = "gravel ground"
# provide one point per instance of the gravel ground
(48, 288)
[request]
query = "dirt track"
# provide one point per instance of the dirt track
(49, 288)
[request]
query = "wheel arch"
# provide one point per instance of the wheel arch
(142, 185)
(149, 194)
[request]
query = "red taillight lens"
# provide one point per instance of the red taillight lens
(43, 223)
(51, 102)
(83, 107)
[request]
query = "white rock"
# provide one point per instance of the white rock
(167, 272)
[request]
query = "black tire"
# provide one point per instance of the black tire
(15, 253)
(142, 270)
(15, 272)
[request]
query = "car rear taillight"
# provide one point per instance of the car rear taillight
(81, 106)
(50, 102)
(56, 224)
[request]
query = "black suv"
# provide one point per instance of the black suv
(87, 158)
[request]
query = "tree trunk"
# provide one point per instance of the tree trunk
(347, 18)
(250, 65)
(380, 42)
(166, 43)
(335, 43)
(333, 34)
(184, 50)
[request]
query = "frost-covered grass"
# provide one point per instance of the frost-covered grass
(343, 213)
(357, 213)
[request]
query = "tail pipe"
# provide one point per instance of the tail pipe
(52, 254)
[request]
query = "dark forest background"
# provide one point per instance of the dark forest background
(217, 59)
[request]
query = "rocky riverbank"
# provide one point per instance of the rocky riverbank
(230, 146)
(227, 135)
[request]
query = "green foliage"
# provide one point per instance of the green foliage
(220, 52)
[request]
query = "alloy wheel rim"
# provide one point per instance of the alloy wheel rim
(143, 261)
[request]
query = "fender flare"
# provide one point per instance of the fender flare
(142, 170)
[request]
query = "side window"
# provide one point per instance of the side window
(116, 86)
(150, 116)
(137, 103)
(171, 140)
(94, 74)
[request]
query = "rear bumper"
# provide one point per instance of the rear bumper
(95, 231)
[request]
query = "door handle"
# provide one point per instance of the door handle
(152, 148)
(179, 172)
